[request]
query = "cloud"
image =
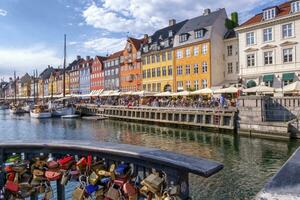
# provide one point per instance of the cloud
(73, 43)
(105, 45)
(146, 16)
(3, 13)
(26, 59)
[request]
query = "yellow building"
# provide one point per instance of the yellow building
(198, 49)
(158, 58)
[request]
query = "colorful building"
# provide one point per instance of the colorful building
(75, 66)
(269, 43)
(130, 75)
(199, 49)
(97, 74)
(158, 59)
(24, 85)
(85, 76)
(112, 71)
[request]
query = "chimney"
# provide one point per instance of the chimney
(78, 57)
(206, 12)
(172, 22)
(88, 58)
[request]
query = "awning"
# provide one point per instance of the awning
(268, 78)
(288, 76)
(251, 84)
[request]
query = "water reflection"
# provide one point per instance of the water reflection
(248, 162)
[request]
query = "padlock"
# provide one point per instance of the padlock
(97, 166)
(174, 190)
(120, 181)
(78, 193)
(130, 191)
(153, 183)
(66, 162)
(16, 178)
(121, 169)
(105, 181)
(144, 191)
(48, 193)
(90, 189)
(112, 168)
(13, 159)
(53, 175)
(93, 178)
(99, 194)
(65, 178)
(10, 176)
(113, 192)
(11, 186)
(52, 164)
(81, 164)
(38, 172)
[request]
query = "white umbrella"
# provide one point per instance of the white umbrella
(129, 93)
(294, 87)
(183, 93)
(144, 93)
(202, 91)
(259, 89)
(164, 94)
(228, 90)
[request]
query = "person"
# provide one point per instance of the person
(222, 101)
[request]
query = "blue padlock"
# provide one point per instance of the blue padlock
(105, 180)
(121, 169)
(91, 189)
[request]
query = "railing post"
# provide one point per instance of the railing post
(60, 189)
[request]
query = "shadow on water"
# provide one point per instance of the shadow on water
(248, 162)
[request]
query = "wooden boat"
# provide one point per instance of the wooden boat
(16, 110)
(40, 112)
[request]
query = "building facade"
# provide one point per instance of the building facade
(112, 71)
(268, 46)
(24, 85)
(97, 73)
(85, 76)
(74, 71)
(130, 75)
(199, 52)
(158, 58)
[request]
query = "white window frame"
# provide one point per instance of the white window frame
(270, 57)
(179, 54)
(204, 49)
(196, 51)
(187, 52)
(229, 68)
(196, 85)
(268, 34)
(253, 60)
(291, 53)
(295, 6)
(204, 83)
(269, 14)
(250, 38)
(288, 30)
(204, 67)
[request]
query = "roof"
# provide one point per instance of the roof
(25, 78)
(283, 10)
(201, 21)
(101, 58)
(230, 34)
(75, 62)
(115, 55)
(136, 42)
(163, 34)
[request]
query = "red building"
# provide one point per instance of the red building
(97, 73)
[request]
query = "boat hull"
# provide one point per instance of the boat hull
(42, 115)
(63, 112)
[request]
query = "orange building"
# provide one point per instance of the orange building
(130, 76)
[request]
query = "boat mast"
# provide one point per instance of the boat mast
(34, 86)
(64, 68)
(37, 85)
(15, 89)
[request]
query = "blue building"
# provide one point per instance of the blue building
(85, 76)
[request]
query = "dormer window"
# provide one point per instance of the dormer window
(269, 14)
(150, 40)
(145, 48)
(199, 34)
(166, 43)
(170, 33)
(295, 6)
(183, 37)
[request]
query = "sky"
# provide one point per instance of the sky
(32, 31)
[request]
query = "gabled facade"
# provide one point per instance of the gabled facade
(112, 71)
(85, 76)
(198, 48)
(158, 58)
(268, 46)
(75, 67)
(130, 75)
(97, 73)
(24, 85)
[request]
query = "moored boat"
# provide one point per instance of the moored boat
(4, 107)
(63, 111)
(16, 110)
(40, 112)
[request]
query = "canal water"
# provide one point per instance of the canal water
(248, 163)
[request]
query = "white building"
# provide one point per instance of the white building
(268, 46)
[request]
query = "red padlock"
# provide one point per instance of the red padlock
(11, 186)
(53, 175)
(129, 189)
(11, 176)
(66, 162)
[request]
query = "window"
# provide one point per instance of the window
(153, 87)
(170, 33)
(164, 71)
(179, 70)
(269, 83)
(179, 54)
(229, 68)
(237, 68)
(268, 34)
(158, 72)
(157, 58)
(250, 60)
(153, 72)
(204, 83)
(169, 55)
(187, 70)
(229, 50)
(250, 39)
(268, 58)
(148, 73)
(144, 73)
(204, 49)
(204, 67)
(196, 85)
(188, 85)
(296, 6)
(199, 34)
(269, 14)
(183, 37)
(153, 58)
(187, 52)
(179, 84)
(170, 70)
(149, 87)
(196, 51)
(144, 87)
(148, 59)
(163, 56)
(288, 55)
(196, 69)
(287, 30)
(158, 87)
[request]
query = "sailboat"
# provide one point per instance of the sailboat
(15, 108)
(61, 109)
